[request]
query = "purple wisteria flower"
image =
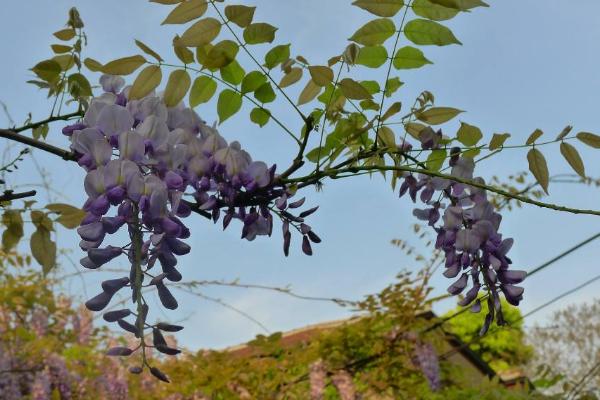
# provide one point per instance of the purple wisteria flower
(467, 233)
(142, 161)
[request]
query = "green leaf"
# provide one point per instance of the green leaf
(259, 33)
(534, 136)
(374, 32)
(447, 3)
(65, 34)
(233, 73)
(498, 140)
(410, 57)
(371, 86)
(68, 216)
(590, 139)
(201, 32)
(183, 53)
(424, 32)
(571, 154)
(436, 159)
(381, 8)
(146, 82)
(310, 91)
(291, 77)
(429, 10)
(468, 135)
(93, 65)
(79, 86)
(538, 167)
(260, 116)
(265, 93)
(252, 81)
(220, 55)
(47, 70)
(393, 110)
(167, 2)
(40, 131)
(240, 15)
(203, 89)
(60, 48)
(438, 115)
(228, 104)
(186, 11)
(66, 61)
(13, 221)
(177, 87)
(353, 90)
(124, 66)
(320, 74)
(43, 249)
(414, 129)
(277, 55)
(392, 85)
(469, 4)
(386, 137)
(148, 50)
(372, 56)
(564, 132)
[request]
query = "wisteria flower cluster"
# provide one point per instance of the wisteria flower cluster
(467, 232)
(142, 159)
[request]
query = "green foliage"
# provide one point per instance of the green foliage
(503, 349)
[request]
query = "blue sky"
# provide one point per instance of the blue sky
(524, 64)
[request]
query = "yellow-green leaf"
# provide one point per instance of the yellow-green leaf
(374, 32)
(429, 10)
(201, 32)
(145, 82)
(218, 56)
(321, 74)
(240, 15)
(590, 139)
(381, 8)
(353, 90)
(66, 61)
(167, 2)
(43, 249)
(68, 216)
(60, 48)
(372, 56)
(228, 104)
(468, 135)
(265, 93)
(124, 66)
(277, 55)
(436, 159)
(93, 65)
(567, 129)
(177, 86)
(148, 50)
(386, 137)
(393, 110)
(65, 34)
(414, 129)
(259, 33)
(425, 32)
(183, 53)
(410, 57)
(47, 70)
(233, 73)
(534, 136)
(538, 167)
(571, 154)
(13, 221)
(186, 11)
(291, 77)
(260, 116)
(498, 140)
(252, 81)
(79, 86)
(310, 91)
(203, 89)
(438, 115)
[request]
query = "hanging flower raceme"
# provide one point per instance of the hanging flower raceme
(142, 161)
(467, 228)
